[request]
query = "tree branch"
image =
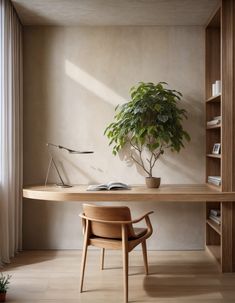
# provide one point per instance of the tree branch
(156, 156)
(150, 163)
(134, 146)
(141, 159)
(140, 164)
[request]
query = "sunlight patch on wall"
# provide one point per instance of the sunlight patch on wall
(90, 83)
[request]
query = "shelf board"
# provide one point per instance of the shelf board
(214, 225)
(214, 126)
(215, 251)
(218, 187)
(214, 156)
(216, 98)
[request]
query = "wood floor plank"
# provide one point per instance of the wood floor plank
(174, 277)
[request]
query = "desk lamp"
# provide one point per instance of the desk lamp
(52, 161)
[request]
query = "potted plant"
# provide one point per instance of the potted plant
(149, 124)
(4, 285)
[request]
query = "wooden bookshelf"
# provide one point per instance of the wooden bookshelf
(213, 133)
(220, 65)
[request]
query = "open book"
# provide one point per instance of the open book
(108, 186)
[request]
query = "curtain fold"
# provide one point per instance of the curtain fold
(11, 137)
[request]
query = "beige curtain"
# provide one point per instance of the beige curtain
(10, 132)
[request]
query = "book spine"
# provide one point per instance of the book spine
(214, 178)
(217, 118)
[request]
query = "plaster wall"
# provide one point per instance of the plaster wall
(73, 79)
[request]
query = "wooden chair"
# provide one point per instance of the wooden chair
(111, 227)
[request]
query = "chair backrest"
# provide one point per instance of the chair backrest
(109, 213)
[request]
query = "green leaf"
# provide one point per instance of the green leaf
(157, 107)
(162, 118)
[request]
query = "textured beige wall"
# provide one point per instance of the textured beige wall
(73, 79)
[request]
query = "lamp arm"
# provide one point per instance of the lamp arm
(57, 171)
(48, 170)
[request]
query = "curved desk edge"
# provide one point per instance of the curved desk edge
(166, 193)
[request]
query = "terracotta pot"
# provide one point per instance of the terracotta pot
(152, 182)
(3, 296)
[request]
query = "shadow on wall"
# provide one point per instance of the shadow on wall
(92, 84)
(65, 164)
(102, 79)
(74, 78)
(193, 107)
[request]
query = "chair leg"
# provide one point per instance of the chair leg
(102, 258)
(84, 255)
(144, 250)
(125, 262)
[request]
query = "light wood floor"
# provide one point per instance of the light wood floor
(53, 276)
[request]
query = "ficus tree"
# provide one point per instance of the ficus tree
(149, 124)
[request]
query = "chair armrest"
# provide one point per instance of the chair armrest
(142, 217)
(116, 222)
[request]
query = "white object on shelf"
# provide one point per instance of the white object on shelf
(213, 122)
(213, 90)
(215, 212)
(216, 180)
(217, 87)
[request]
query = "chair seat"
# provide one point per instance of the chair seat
(110, 243)
(139, 232)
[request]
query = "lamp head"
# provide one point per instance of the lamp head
(80, 152)
(71, 151)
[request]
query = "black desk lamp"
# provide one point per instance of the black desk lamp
(52, 161)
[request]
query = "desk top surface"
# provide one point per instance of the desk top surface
(165, 193)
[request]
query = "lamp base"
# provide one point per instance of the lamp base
(63, 185)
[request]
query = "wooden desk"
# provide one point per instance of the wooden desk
(220, 240)
(166, 193)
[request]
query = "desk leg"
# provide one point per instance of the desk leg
(228, 237)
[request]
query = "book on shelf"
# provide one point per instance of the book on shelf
(108, 186)
(215, 219)
(213, 122)
(215, 180)
(217, 118)
(215, 212)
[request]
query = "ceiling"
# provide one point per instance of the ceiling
(114, 12)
